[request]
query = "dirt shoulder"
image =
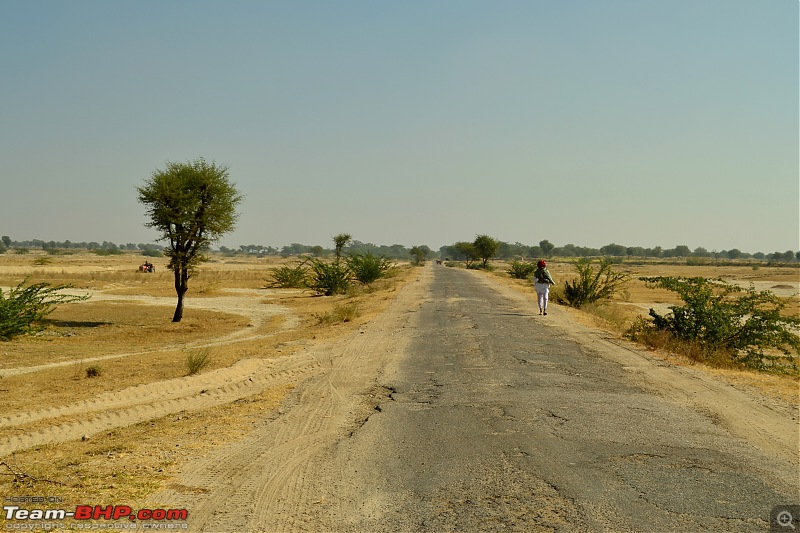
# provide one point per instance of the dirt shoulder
(118, 437)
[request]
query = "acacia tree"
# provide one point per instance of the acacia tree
(419, 254)
(192, 205)
(340, 241)
(486, 247)
(547, 247)
(467, 251)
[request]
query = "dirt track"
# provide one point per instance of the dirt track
(144, 402)
(322, 463)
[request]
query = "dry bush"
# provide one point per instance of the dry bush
(340, 313)
(197, 360)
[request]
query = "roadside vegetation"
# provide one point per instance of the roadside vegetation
(592, 285)
(704, 319)
(723, 323)
(521, 269)
(332, 277)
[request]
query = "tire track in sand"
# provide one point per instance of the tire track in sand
(153, 400)
(266, 481)
(145, 402)
(247, 305)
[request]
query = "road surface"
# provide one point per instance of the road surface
(461, 409)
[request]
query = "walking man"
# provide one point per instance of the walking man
(541, 282)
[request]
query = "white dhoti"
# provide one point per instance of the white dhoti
(543, 294)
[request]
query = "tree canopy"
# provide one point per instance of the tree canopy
(486, 247)
(192, 205)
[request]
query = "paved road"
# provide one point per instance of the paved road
(494, 421)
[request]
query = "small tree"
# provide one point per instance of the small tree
(486, 248)
(547, 247)
(339, 242)
(419, 254)
(192, 205)
(467, 251)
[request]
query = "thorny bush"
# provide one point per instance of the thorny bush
(592, 286)
(749, 327)
(24, 307)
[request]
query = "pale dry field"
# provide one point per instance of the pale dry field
(121, 435)
(124, 435)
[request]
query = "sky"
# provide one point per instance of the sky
(637, 122)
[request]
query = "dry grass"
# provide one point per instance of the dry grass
(123, 465)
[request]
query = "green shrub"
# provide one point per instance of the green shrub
(24, 307)
(592, 286)
(367, 268)
(328, 278)
(40, 261)
(749, 327)
(197, 360)
(152, 253)
(521, 269)
(287, 277)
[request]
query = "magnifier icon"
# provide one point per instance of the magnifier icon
(785, 519)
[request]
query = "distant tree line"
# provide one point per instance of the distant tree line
(458, 251)
(6, 242)
(354, 247)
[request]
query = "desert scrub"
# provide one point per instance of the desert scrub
(94, 371)
(591, 285)
(209, 283)
(23, 307)
(367, 268)
(289, 277)
(328, 278)
(197, 360)
(521, 269)
(340, 313)
(748, 328)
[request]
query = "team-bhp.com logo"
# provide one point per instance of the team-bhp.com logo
(97, 512)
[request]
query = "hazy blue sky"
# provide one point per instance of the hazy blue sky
(419, 122)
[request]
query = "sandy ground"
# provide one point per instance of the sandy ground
(335, 391)
(265, 478)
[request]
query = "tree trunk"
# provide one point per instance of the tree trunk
(181, 286)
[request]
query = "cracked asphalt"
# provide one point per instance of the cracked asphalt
(494, 421)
